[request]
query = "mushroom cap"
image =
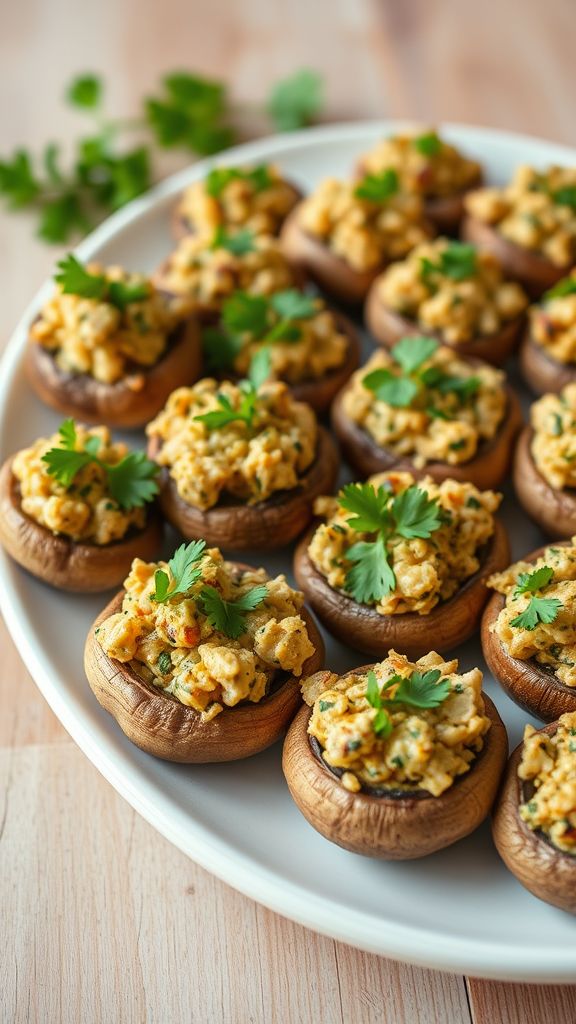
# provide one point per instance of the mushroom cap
(548, 873)
(486, 470)
(61, 561)
(265, 525)
(448, 624)
(535, 272)
(161, 725)
(315, 259)
(446, 212)
(388, 327)
(554, 511)
(530, 685)
(180, 225)
(542, 373)
(394, 827)
(121, 404)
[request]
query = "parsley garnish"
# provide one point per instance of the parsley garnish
(238, 243)
(457, 261)
(259, 318)
(377, 188)
(565, 196)
(226, 413)
(131, 482)
(418, 690)
(164, 663)
(567, 286)
(401, 389)
(539, 609)
(229, 617)
(74, 279)
(184, 569)
(219, 177)
(409, 514)
(296, 100)
(428, 144)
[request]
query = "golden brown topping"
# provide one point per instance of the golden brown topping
(257, 198)
(215, 642)
(553, 322)
(405, 725)
(427, 163)
(442, 409)
(537, 211)
(222, 438)
(364, 232)
(549, 765)
(425, 570)
(452, 289)
(553, 419)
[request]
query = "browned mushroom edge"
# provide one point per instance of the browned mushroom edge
(266, 525)
(61, 561)
(363, 628)
(542, 373)
(532, 686)
(486, 470)
(553, 510)
(547, 872)
(534, 271)
(181, 225)
(393, 825)
(161, 725)
(388, 327)
(130, 402)
(315, 259)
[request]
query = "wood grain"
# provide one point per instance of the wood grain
(102, 919)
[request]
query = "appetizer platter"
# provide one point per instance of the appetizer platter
(287, 472)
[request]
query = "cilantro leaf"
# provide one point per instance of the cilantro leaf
(457, 261)
(415, 514)
(67, 432)
(539, 609)
(532, 582)
(372, 577)
(226, 414)
(122, 293)
(74, 279)
(565, 196)
(243, 312)
(567, 286)
(421, 690)
(60, 217)
(238, 243)
(191, 111)
(377, 188)
(428, 144)
(229, 617)
(64, 464)
(17, 180)
(184, 569)
(133, 481)
(85, 91)
(218, 178)
(293, 305)
(463, 387)
(260, 367)
(368, 504)
(381, 723)
(388, 387)
(295, 101)
(410, 353)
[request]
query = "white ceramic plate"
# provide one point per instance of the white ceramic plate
(457, 910)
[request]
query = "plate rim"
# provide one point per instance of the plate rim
(476, 957)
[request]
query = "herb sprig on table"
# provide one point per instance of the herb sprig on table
(189, 112)
(401, 389)
(421, 690)
(259, 318)
(376, 511)
(131, 482)
(74, 279)
(538, 609)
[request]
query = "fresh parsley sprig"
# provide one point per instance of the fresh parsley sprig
(218, 178)
(538, 609)
(385, 516)
(131, 482)
(239, 243)
(403, 389)
(567, 286)
(190, 112)
(457, 261)
(421, 690)
(74, 279)
(229, 617)
(428, 144)
(185, 571)
(377, 188)
(226, 413)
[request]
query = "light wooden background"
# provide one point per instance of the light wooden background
(100, 919)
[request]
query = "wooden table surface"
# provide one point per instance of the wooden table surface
(102, 920)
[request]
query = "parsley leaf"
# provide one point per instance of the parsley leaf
(371, 577)
(293, 305)
(295, 101)
(218, 178)
(220, 348)
(388, 387)
(74, 279)
(184, 569)
(229, 617)
(567, 286)
(85, 91)
(263, 318)
(410, 353)
(421, 690)
(428, 144)
(377, 188)
(566, 196)
(369, 504)
(243, 312)
(192, 112)
(457, 261)
(238, 243)
(402, 390)
(415, 514)
(226, 413)
(260, 367)
(538, 609)
(132, 482)
(381, 723)
(17, 180)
